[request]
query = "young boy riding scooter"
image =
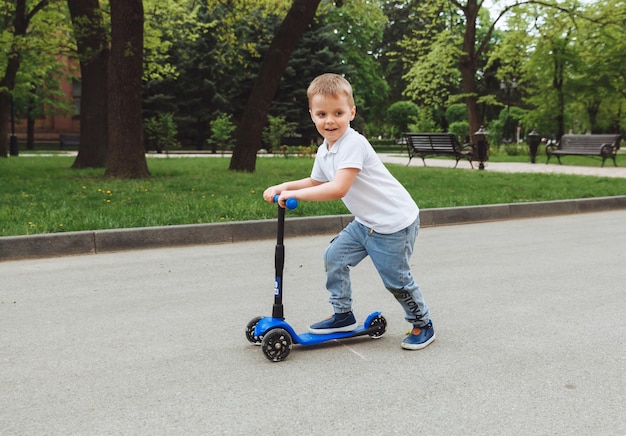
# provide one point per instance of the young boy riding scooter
(386, 220)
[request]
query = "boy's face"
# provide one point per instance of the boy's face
(331, 115)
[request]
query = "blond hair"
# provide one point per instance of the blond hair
(330, 84)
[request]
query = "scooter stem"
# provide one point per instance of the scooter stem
(279, 264)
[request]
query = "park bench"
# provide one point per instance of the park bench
(437, 144)
(604, 146)
(66, 139)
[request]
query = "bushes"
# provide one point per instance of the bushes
(222, 129)
(161, 132)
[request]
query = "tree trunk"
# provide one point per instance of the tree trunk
(30, 133)
(557, 84)
(5, 103)
(467, 66)
(248, 137)
(126, 156)
(593, 109)
(93, 53)
(7, 83)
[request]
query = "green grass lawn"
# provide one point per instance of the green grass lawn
(43, 195)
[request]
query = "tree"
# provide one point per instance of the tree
(20, 22)
(572, 75)
(319, 51)
(180, 44)
(37, 84)
(248, 137)
(596, 76)
(468, 40)
(454, 40)
(342, 39)
(93, 54)
(202, 58)
(403, 19)
(552, 60)
(469, 61)
(359, 25)
(125, 152)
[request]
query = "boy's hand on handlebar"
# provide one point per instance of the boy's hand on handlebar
(270, 193)
(283, 197)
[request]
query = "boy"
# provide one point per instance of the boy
(386, 217)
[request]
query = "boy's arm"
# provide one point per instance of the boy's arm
(269, 193)
(313, 190)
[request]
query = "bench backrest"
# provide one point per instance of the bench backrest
(435, 142)
(69, 138)
(586, 142)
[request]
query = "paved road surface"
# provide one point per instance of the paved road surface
(529, 315)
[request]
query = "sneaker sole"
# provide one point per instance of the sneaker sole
(418, 346)
(348, 328)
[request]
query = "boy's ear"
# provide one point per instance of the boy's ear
(352, 113)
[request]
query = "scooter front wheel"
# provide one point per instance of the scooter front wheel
(276, 344)
(250, 336)
(381, 323)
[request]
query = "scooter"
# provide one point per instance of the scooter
(273, 334)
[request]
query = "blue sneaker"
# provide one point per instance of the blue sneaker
(419, 337)
(339, 322)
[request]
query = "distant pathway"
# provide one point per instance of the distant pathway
(515, 167)
(594, 169)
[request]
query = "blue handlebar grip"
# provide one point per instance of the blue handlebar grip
(291, 203)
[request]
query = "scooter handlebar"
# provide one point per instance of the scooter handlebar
(291, 203)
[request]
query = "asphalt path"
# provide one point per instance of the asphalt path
(529, 315)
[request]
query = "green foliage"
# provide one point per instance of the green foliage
(460, 130)
(214, 50)
(208, 59)
(222, 129)
(38, 81)
(565, 56)
(201, 59)
(403, 19)
(316, 53)
(426, 122)
(287, 151)
(504, 128)
(431, 76)
(359, 25)
(400, 115)
(161, 132)
(168, 22)
(456, 113)
(275, 130)
(569, 67)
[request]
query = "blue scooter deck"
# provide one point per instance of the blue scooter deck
(306, 339)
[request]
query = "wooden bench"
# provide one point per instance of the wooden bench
(604, 146)
(437, 144)
(66, 139)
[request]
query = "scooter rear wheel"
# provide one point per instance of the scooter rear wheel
(256, 340)
(276, 344)
(381, 323)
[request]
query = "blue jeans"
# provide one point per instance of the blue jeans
(390, 255)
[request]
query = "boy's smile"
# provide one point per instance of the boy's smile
(331, 115)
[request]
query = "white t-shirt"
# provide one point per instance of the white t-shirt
(376, 198)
